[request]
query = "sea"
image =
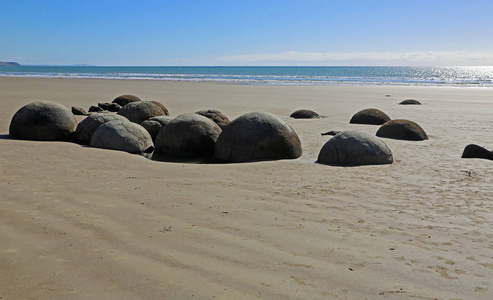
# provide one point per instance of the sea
(263, 75)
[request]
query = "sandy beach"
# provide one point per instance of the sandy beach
(83, 223)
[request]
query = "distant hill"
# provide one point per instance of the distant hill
(9, 64)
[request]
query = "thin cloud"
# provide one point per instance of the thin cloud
(350, 58)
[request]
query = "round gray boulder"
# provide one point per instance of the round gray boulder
(154, 124)
(138, 112)
(355, 148)
(370, 116)
(163, 120)
(123, 135)
(305, 114)
(42, 121)
(126, 99)
(161, 106)
(410, 102)
(188, 136)
(216, 116)
(257, 136)
(402, 130)
(86, 127)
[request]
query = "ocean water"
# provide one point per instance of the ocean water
(409, 76)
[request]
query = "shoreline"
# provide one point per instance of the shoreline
(85, 223)
(240, 82)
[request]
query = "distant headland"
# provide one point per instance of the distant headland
(9, 64)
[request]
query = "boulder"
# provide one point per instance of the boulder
(410, 102)
(138, 112)
(161, 106)
(475, 151)
(42, 121)
(78, 111)
(305, 114)
(163, 120)
(257, 136)
(125, 99)
(123, 135)
(95, 109)
(90, 124)
(188, 136)
(216, 116)
(153, 127)
(402, 130)
(113, 107)
(370, 116)
(354, 148)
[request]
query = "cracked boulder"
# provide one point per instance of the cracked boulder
(154, 125)
(126, 99)
(354, 148)
(216, 116)
(42, 121)
(371, 116)
(138, 112)
(257, 136)
(86, 127)
(188, 136)
(402, 130)
(123, 135)
(161, 106)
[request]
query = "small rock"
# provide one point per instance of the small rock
(78, 111)
(113, 107)
(332, 132)
(95, 109)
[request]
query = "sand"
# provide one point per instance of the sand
(84, 223)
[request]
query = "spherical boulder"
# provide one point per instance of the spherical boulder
(355, 148)
(42, 121)
(154, 125)
(410, 102)
(188, 136)
(138, 112)
(402, 130)
(220, 119)
(163, 120)
(305, 114)
(475, 151)
(86, 128)
(370, 116)
(161, 106)
(123, 135)
(126, 99)
(257, 136)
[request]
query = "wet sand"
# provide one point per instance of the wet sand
(84, 223)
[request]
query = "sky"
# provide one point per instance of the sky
(247, 32)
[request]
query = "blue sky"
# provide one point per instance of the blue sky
(266, 32)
